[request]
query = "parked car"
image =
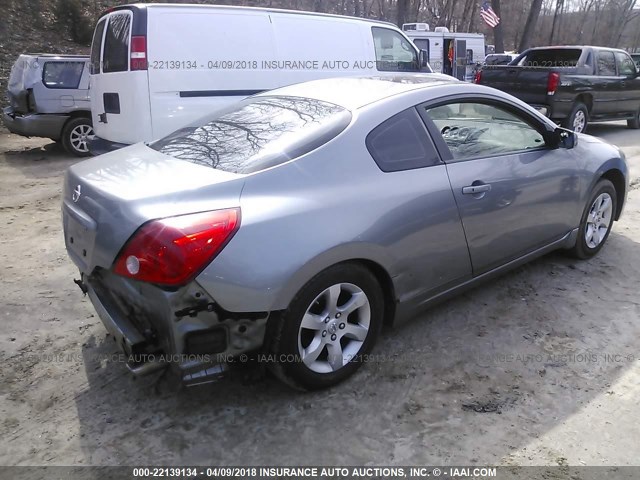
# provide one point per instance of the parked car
(146, 84)
(298, 221)
(49, 97)
(500, 58)
(572, 85)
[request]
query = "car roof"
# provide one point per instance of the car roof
(356, 92)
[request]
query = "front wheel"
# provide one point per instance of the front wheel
(75, 136)
(597, 220)
(577, 119)
(329, 328)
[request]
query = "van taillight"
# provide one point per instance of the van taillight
(552, 83)
(477, 78)
(138, 52)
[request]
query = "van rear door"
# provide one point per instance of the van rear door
(119, 87)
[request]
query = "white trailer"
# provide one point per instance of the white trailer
(453, 53)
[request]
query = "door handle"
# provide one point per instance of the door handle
(475, 189)
(102, 117)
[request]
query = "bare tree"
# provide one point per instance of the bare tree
(530, 26)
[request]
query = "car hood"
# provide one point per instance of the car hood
(109, 197)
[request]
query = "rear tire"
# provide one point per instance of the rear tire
(75, 134)
(578, 118)
(596, 221)
(328, 329)
(634, 122)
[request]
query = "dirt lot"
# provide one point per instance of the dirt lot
(539, 367)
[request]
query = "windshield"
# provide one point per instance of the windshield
(257, 133)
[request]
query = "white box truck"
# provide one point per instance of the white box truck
(158, 67)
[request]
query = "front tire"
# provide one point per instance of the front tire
(596, 221)
(577, 119)
(328, 329)
(75, 135)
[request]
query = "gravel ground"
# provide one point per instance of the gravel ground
(541, 367)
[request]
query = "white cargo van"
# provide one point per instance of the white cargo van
(158, 67)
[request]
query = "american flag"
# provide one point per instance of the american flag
(488, 15)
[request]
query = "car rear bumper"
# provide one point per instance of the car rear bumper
(34, 124)
(98, 146)
(183, 329)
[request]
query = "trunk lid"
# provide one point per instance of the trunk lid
(107, 198)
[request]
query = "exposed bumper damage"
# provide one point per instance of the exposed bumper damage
(33, 124)
(182, 329)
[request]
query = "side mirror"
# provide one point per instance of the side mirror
(563, 138)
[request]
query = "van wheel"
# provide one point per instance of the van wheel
(635, 121)
(577, 119)
(75, 134)
(329, 328)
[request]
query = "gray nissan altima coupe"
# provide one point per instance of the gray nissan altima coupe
(292, 225)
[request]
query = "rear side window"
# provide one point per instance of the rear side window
(394, 53)
(606, 64)
(116, 43)
(257, 134)
(552, 57)
(62, 74)
(626, 66)
(402, 143)
(96, 45)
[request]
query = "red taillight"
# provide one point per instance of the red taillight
(138, 52)
(171, 251)
(552, 83)
(477, 77)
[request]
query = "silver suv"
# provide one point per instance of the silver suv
(49, 97)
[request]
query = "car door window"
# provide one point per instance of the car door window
(473, 130)
(62, 74)
(626, 66)
(402, 143)
(606, 64)
(394, 53)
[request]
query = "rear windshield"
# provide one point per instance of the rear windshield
(257, 133)
(552, 57)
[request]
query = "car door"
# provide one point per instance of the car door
(629, 86)
(605, 101)
(423, 232)
(514, 193)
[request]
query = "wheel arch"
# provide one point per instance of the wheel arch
(587, 99)
(618, 179)
(80, 114)
(371, 258)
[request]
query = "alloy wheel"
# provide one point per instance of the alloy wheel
(598, 220)
(334, 328)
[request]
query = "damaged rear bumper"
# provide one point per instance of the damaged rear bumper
(182, 329)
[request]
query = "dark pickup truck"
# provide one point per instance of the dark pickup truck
(572, 85)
